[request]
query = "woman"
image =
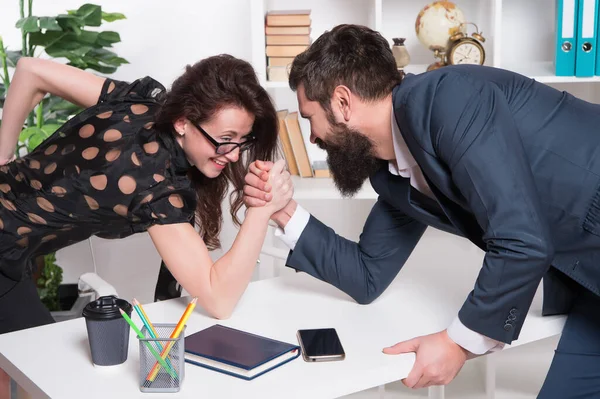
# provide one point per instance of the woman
(138, 158)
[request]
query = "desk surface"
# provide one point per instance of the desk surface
(420, 301)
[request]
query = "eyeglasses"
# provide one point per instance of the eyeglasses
(227, 147)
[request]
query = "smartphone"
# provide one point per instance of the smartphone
(320, 345)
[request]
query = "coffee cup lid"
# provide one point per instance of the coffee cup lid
(106, 308)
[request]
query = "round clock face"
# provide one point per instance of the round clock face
(466, 53)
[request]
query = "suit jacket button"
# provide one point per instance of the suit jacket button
(513, 311)
(507, 327)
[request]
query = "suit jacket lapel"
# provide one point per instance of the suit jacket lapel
(439, 179)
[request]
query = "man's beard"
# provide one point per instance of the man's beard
(350, 156)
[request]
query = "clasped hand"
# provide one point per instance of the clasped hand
(258, 190)
(269, 187)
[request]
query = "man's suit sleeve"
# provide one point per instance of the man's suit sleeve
(475, 135)
(365, 269)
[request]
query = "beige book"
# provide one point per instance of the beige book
(287, 30)
(284, 51)
(321, 169)
(287, 40)
(279, 61)
(286, 144)
(278, 74)
(288, 18)
(293, 127)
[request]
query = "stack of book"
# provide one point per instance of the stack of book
(287, 35)
(294, 150)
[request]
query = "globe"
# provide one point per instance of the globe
(438, 21)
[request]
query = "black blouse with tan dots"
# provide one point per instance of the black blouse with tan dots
(106, 172)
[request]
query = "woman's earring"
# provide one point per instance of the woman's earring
(181, 133)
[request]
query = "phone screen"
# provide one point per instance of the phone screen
(321, 342)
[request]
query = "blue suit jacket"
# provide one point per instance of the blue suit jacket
(515, 168)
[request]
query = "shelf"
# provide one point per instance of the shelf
(416, 68)
(313, 188)
(274, 85)
(543, 72)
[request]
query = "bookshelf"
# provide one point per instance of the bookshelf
(519, 37)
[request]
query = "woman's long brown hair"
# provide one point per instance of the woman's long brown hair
(205, 88)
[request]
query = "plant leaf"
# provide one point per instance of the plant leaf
(50, 128)
(28, 132)
(71, 45)
(58, 50)
(90, 13)
(87, 37)
(112, 16)
(49, 23)
(45, 39)
(55, 103)
(78, 63)
(105, 56)
(97, 66)
(108, 38)
(12, 57)
(70, 23)
(28, 24)
(35, 141)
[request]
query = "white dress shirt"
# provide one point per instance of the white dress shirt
(407, 167)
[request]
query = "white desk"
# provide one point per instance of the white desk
(420, 301)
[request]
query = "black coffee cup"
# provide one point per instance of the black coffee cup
(108, 331)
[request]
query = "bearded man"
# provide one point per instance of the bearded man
(509, 163)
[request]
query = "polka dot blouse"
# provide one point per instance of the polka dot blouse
(107, 172)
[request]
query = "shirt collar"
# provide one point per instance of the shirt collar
(179, 161)
(404, 159)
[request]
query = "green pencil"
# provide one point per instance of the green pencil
(150, 348)
(138, 308)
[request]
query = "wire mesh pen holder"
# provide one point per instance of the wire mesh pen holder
(154, 377)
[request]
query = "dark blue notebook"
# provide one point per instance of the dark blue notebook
(237, 353)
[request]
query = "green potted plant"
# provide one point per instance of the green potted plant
(64, 36)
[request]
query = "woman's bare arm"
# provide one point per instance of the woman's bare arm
(217, 285)
(220, 285)
(33, 79)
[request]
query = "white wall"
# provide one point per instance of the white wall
(158, 37)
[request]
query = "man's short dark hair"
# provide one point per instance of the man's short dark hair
(351, 55)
